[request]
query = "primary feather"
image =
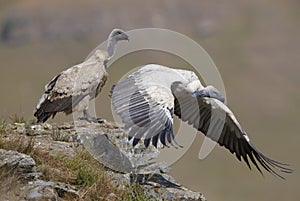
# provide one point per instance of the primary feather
(148, 99)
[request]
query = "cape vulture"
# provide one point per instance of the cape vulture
(72, 89)
(147, 100)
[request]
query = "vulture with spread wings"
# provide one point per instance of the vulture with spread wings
(72, 89)
(147, 100)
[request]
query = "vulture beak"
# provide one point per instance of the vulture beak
(200, 94)
(126, 37)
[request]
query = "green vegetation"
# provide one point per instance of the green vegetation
(136, 193)
(80, 170)
(17, 119)
(3, 126)
(32, 121)
(86, 173)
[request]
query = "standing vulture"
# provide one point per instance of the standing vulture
(147, 100)
(72, 89)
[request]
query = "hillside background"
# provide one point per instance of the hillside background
(255, 45)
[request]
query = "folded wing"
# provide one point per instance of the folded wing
(68, 88)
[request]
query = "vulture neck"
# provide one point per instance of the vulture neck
(111, 47)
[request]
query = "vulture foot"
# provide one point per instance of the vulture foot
(91, 119)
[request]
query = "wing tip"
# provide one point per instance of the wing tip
(270, 165)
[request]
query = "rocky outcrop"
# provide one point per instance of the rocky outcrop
(27, 186)
(106, 142)
(22, 164)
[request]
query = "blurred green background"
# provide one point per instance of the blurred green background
(255, 45)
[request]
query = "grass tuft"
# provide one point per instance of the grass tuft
(32, 121)
(136, 193)
(80, 170)
(56, 135)
(3, 126)
(17, 119)
(19, 143)
(9, 180)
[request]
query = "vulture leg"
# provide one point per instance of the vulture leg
(83, 107)
(89, 118)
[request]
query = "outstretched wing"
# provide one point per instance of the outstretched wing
(144, 115)
(68, 88)
(216, 121)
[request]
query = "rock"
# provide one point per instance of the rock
(22, 164)
(66, 126)
(154, 179)
(34, 195)
(30, 187)
(41, 190)
(111, 148)
(42, 193)
(55, 147)
(105, 152)
(47, 137)
(47, 126)
(111, 197)
(66, 190)
(109, 145)
(37, 129)
(161, 194)
(19, 128)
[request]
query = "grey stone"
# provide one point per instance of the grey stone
(109, 145)
(13, 159)
(105, 152)
(33, 195)
(62, 189)
(37, 129)
(42, 193)
(112, 196)
(19, 128)
(112, 149)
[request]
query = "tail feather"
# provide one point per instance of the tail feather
(40, 111)
(44, 117)
(45, 109)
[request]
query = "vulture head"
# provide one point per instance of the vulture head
(118, 34)
(115, 36)
(210, 92)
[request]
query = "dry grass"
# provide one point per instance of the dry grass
(19, 143)
(136, 193)
(86, 173)
(57, 135)
(8, 178)
(81, 170)
(9, 181)
(3, 127)
(17, 119)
